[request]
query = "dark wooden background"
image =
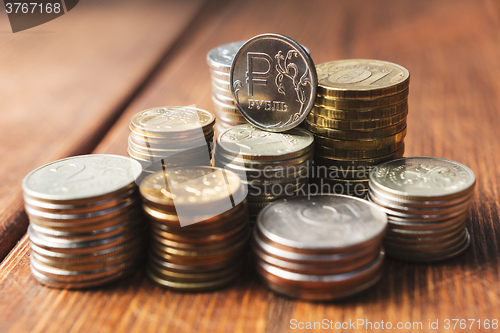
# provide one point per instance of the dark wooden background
(70, 87)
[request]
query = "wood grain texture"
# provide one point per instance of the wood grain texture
(452, 50)
(63, 84)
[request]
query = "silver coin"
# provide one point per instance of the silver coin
(172, 121)
(221, 57)
(324, 222)
(317, 259)
(247, 141)
(421, 178)
(81, 177)
(273, 80)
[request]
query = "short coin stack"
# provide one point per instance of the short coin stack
(199, 230)
(359, 121)
(426, 200)
(219, 61)
(320, 248)
(271, 165)
(86, 226)
(173, 136)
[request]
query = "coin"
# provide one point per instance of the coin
(81, 177)
(172, 119)
(356, 154)
(426, 199)
(322, 222)
(191, 186)
(428, 178)
(273, 80)
(361, 144)
(249, 142)
(208, 251)
(85, 220)
(361, 78)
(365, 163)
(355, 135)
(221, 57)
(359, 115)
(357, 125)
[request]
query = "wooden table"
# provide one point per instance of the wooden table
(70, 87)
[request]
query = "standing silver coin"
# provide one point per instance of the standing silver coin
(273, 80)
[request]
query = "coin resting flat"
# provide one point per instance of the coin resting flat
(426, 200)
(329, 244)
(86, 228)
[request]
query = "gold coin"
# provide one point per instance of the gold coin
(355, 135)
(200, 238)
(364, 104)
(357, 125)
(359, 115)
(193, 186)
(356, 154)
(361, 79)
(213, 245)
(193, 277)
(354, 164)
(235, 245)
(198, 286)
(360, 144)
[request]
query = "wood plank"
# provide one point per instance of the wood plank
(452, 52)
(64, 83)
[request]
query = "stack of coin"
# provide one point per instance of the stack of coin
(199, 227)
(271, 165)
(359, 121)
(426, 200)
(320, 247)
(219, 61)
(86, 225)
(172, 136)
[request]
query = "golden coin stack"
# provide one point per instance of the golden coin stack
(172, 136)
(358, 121)
(271, 165)
(219, 61)
(199, 227)
(86, 226)
(319, 247)
(426, 200)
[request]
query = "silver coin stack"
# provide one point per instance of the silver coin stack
(219, 61)
(173, 136)
(86, 226)
(320, 247)
(207, 251)
(426, 200)
(271, 165)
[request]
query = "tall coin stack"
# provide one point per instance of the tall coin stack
(426, 200)
(86, 226)
(172, 136)
(219, 61)
(321, 247)
(271, 165)
(199, 227)
(359, 121)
